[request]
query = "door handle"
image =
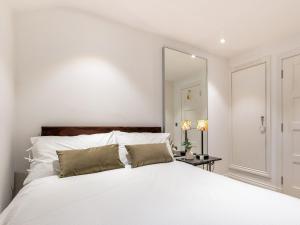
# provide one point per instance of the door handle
(262, 119)
(262, 127)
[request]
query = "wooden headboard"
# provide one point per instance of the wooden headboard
(73, 131)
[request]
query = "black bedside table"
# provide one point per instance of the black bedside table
(198, 162)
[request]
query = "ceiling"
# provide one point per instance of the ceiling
(180, 66)
(245, 24)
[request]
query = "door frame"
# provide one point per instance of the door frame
(267, 172)
(282, 57)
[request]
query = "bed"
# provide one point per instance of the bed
(161, 194)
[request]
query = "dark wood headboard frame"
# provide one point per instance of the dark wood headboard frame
(73, 131)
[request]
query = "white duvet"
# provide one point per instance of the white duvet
(163, 194)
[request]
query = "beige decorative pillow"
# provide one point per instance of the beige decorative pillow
(145, 154)
(91, 160)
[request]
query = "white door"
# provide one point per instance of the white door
(291, 129)
(249, 120)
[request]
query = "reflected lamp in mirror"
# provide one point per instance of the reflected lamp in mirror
(186, 125)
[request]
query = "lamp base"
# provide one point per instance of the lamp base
(206, 156)
(202, 157)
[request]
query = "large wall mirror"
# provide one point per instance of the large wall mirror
(185, 97)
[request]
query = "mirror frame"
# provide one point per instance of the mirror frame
(163, 85)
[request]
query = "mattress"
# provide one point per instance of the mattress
(163, 194)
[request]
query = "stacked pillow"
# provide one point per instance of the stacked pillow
(91, 160)
(45, 159)
(124, 138)
(46, 149)
(147, 154)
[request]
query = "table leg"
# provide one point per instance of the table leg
(209, 167)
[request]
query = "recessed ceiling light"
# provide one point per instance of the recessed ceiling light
(222, 41)
(193, 56)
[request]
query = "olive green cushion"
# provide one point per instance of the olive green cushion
(91, 160)
(146, 154)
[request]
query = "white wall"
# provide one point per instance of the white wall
(275, 51)
(6, 105)
(218, 112)
(75, 68)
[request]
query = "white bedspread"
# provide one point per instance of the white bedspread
(163, 194)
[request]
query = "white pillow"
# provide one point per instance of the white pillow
(44, 149)
(39, 170)
(124, 138)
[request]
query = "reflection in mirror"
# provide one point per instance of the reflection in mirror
(185, 93)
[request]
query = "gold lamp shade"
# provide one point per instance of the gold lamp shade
(202, 125)
(186, 125)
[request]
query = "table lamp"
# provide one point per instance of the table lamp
(202, 125)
